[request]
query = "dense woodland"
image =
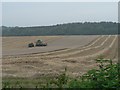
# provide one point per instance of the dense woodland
(86, 28)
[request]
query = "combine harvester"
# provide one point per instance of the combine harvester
(38, 43)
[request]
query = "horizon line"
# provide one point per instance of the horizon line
(61, 24)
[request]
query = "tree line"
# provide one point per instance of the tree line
(86, 28)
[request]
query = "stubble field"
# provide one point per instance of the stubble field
(76, 53)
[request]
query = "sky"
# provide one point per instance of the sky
(60, 0)
(52, 13)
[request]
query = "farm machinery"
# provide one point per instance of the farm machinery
(38, 43)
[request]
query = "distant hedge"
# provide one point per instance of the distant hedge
(87, 28)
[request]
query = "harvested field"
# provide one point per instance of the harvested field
(18, 45)
(77, 53)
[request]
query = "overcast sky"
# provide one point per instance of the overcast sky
(50, 13)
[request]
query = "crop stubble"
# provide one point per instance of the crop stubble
(78, 60)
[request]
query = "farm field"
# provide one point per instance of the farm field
(76, 53)
(19, 45)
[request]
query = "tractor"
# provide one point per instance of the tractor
(31, 45)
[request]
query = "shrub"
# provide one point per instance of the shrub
(104, 77)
